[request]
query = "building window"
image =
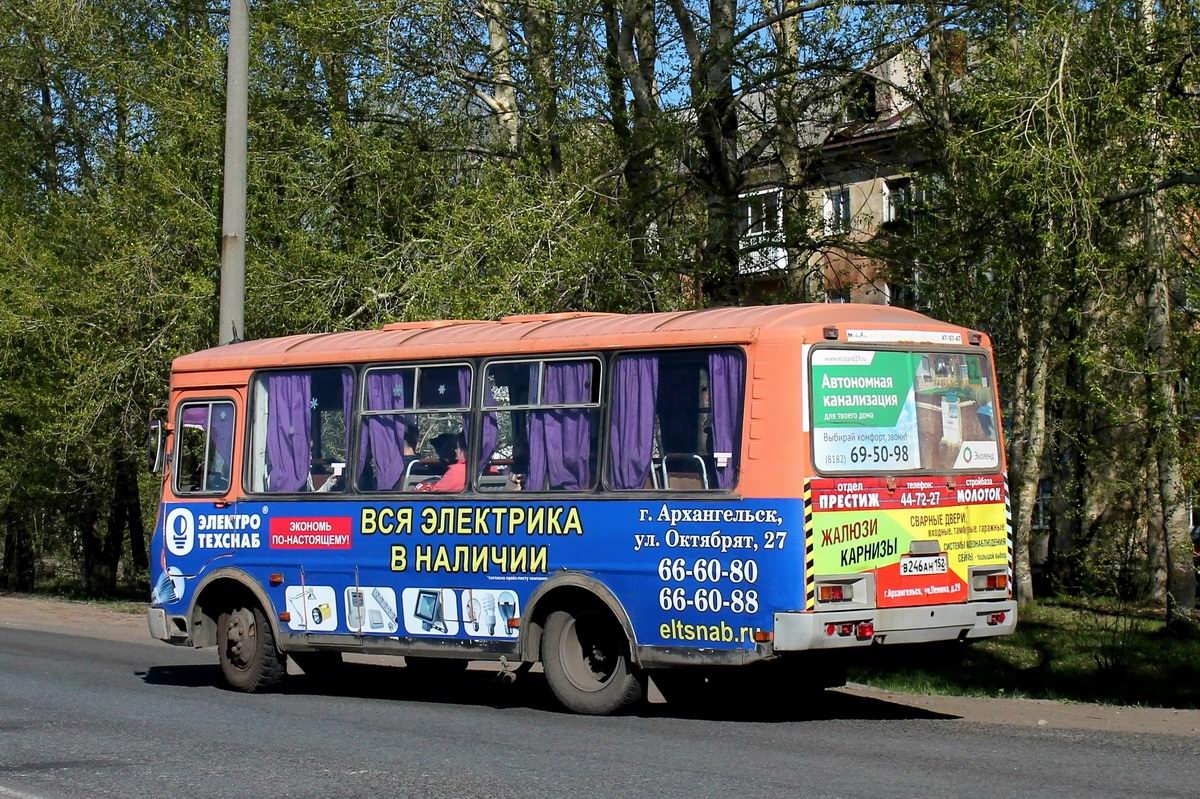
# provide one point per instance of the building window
(837, 212)
(861, 105)
(902, 200)
(760, 213)
(760, 227)
(838, 294)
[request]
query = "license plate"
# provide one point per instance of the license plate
(930, 564)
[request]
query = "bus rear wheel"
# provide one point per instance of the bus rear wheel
(250, 659)
(585, 654)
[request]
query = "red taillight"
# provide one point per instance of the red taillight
(996, 618)
(862, 630)
(997, 582)
(832, 593)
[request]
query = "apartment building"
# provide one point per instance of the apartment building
(859, 180)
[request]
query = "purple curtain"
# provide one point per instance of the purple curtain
(726, 379)
(631, 431)
(197, 416)
(289, 421)
(385, 434)
(560, 440)
(491, 434)
(222, 431)
(464, 387)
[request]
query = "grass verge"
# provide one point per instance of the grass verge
(1062, 650)
(129, 606)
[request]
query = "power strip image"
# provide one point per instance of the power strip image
(384, 605)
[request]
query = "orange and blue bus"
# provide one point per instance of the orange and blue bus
(733, 491)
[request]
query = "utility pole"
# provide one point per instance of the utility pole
(231, 323)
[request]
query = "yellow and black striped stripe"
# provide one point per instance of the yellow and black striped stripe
(1008, 530)
(810, 588)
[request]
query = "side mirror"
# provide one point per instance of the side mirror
(156, 446)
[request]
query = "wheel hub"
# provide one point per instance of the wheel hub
(588, 654)
(242, 639)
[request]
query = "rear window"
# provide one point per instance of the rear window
(890, 411)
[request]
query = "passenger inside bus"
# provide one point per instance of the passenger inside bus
(452, 452)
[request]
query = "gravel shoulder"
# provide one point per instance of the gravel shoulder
(105, 623)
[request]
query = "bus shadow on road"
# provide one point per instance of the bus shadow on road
(486, 688)
(832, 706)
(395, 683)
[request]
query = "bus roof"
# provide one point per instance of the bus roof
(559, 332)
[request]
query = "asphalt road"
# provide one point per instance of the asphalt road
(81, 717)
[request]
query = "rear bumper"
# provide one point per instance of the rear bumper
(804, 631)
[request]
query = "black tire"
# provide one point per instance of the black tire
(319, 665)
(428, 665)
(250, 659)
(585, 654)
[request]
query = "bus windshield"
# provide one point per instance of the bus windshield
(902, 411)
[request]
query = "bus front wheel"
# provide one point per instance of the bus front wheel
(585, 655)
(250, 659)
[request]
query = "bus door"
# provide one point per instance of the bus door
(200, 516)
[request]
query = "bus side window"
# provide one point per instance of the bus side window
(300, 435)
(413, 428)
(204, 448)
(541, 425)
(675, 420)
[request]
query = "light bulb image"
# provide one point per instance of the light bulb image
(473, 614)
(489, 613)
(507, 603)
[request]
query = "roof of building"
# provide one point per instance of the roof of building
(541, 332)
